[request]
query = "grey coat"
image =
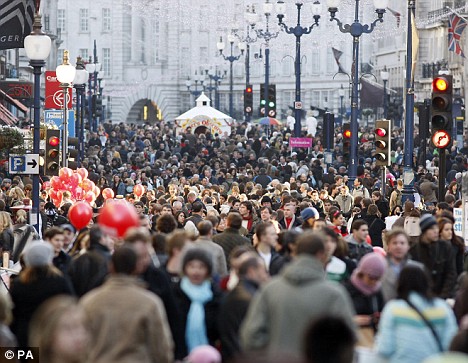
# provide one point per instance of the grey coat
(281, 312)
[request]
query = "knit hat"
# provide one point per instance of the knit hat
(39, 253)
(308, 213)
(373, 264)
(198, 254)
(426, 221)
(204, 354)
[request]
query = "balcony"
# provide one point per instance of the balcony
(440, 14)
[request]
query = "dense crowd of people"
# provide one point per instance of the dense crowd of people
(246, 251)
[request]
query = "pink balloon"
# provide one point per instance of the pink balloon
(65, 174)
(108, 193)
(55, 182)
(45, 185)
(138, 190)
(90, 197)
(76, 179)
(380, 251)
(79, 193)
(96, 190)
(87, 185)
(83, 172)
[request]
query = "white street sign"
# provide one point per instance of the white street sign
(24, 164)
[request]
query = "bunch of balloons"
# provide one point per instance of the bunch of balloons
(74, 181)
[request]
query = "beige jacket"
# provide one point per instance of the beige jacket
(127, 323)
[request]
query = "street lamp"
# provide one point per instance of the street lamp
(93, 67)
(199, 79)
(231, 59)
(37, 46)
(79, 83)
(341, 93)
(384, 74)
(298, 31)
(215, 77)
(266, 35)
(356, 29)
(65, 75)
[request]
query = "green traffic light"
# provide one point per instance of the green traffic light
(271, 104)
(263, 102)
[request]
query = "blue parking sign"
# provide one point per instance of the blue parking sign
(18, 163)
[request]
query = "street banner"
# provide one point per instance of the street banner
(305, 142)
(16, 20)
(54, 93)
(56, 116)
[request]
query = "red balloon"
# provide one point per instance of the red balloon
(78, 193)
(117, 217)
(87, 185)
(46, 185)
(108, 193)
(90, 197)
(80, 214)
(65, 174)
(55, 183)
(380, 251)
(138, 190)
(75, 179)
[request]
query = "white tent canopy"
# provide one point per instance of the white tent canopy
(203, 115)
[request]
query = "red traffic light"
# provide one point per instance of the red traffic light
(440, 84)
(381, 132)
(347, 134)
(248, 90)
(54, 141)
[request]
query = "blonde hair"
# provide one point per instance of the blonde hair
(17, 193)
(21, 216)
(5, 221)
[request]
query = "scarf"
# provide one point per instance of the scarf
(362, 287)
(195, 331)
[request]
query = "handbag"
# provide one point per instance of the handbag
(428, 323)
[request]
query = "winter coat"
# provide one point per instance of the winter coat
(390, 278)
(211, 313)
(28, 297)
(281, 311)
(438, 258)
(376, 227)
(139, 315)
(229, 239)
(403, 336)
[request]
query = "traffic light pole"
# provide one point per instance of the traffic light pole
(247, 75)
(65, 126)
(267, 77)
(442, 173)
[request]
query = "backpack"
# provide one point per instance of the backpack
(411, 226)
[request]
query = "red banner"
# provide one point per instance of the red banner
(54, 93)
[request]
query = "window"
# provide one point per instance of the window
(61, 20)
(106, 61)
(106, 19)
(84, 20)
(84, 54)
(315, 61)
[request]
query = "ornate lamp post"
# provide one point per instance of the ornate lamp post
(199, 80)
(356, 29)
(79, 83)
(341, 93)
(266, 35)
(37, 46)
(298, 31)
(231, 59)
(65, 75)
(215, 77)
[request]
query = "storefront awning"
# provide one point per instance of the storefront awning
(13, 102)
(7, 117)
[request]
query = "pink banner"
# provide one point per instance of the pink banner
(300, 142)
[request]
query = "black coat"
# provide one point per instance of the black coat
(376, 226)
(232, 312)
(211, 314)
(28, 297)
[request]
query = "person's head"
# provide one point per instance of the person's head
(357, 182)
(140, 240)
(197, 265)
(265, 213)
(124, 261)
(205, 228)
(319, 334)
(234, 220)
(414, 279)
(197, 208)
(245, 209)
(397, 243)
(175, 242)
(331, 242)
(336, 217)
(55, 236)
(289, 210)
(376, 196)
(429, 228)
(373, 210)
(139, 206)
(98, 237)
(58, 329)
(360, 230)
(445, 229)
(266, 234)
(166, 223)
(370, 271)
(166, 209)
(312, 244)
(253, 269)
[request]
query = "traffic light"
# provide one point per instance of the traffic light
(72, 152)
(52, 154)
(262, 99)
(328, 130)
(441, 111)
(382, 142)
(272, 100)
(346, 142)
(98, 106)
(248, 100)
